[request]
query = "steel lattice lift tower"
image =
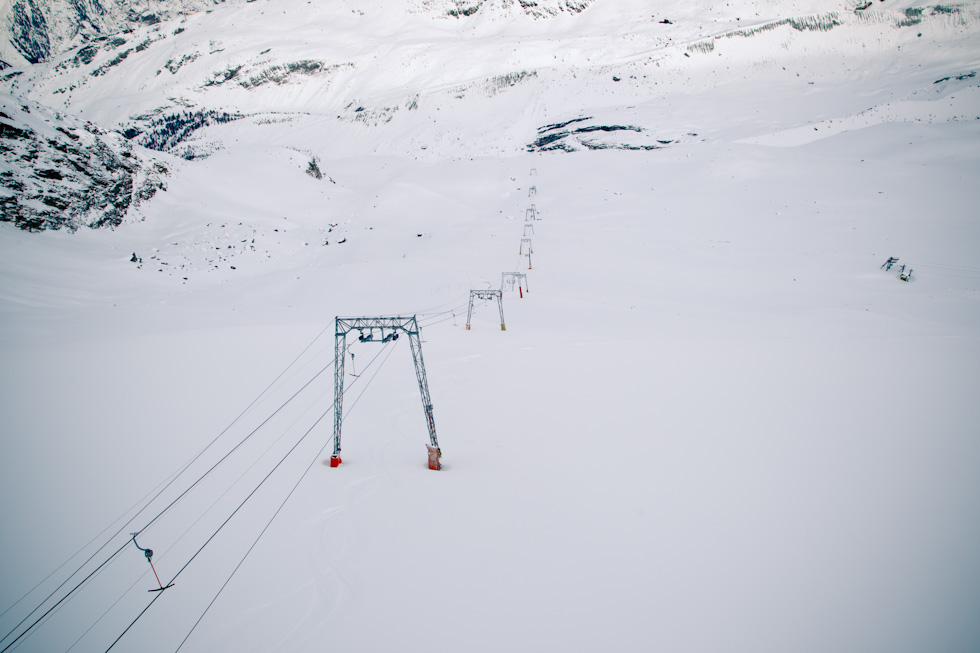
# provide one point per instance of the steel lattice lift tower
(486, 294)
(388, 329)
(508, 279)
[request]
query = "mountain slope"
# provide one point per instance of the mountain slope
(57, 172)
(717, 420)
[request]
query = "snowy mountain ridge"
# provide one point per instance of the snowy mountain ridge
(353, 76)
(39, 30)
(347, 68)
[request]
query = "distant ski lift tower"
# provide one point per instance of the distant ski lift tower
(530, 214)
(532, 191)
(388, 329)
(508, 279)
(534, 172)
(527, 226)
(486, 294)
(529, 250)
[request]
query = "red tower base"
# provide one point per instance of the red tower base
(434, 455)
(335, 461)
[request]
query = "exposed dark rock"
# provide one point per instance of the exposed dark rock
(313, 169)
(48, 174)
(281, 73)
(66, 175)
(464, 9)
(66, 133)
(86, 55)
(554, 137)
(29, 31)
(9, 131)
(223, 76)
(165, 132)
(42, 29)
(560, 125)
(959, 78)
(174, 66)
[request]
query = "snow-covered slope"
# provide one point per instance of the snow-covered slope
(714, 422)
(37, 30)
(328, 75)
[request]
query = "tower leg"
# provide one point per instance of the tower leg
(500, 305)
(340, 345)
(469, 312)
(416, 343)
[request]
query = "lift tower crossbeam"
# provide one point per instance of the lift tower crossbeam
(393, 326)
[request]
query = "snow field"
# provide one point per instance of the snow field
(711, 407)
(713, 424)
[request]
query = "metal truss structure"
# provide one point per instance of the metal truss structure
(530, 213)
(486, 294)
(529, 250)
(510, 278)
(528, 225)
(383, 330)
(532, 191)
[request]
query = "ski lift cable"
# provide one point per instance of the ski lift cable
(319, 419)
(48, 617)
(281, 505)
(450, 313)
(62, 599)
(240, 415)
(129, 589)
(235, 511)
(175, 475)
(445, 319)
(246, 471)
(184, 534)
(431, 321)
(440, 313)
(51, 614)
(162, 512)
(430, 309)
(235, 448)
(75, 555)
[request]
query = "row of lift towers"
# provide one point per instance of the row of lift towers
(385, 329)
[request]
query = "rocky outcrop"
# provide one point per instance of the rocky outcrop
(535, 8)
(57, 172)
(39, 30)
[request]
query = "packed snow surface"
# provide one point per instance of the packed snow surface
(714, 422)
